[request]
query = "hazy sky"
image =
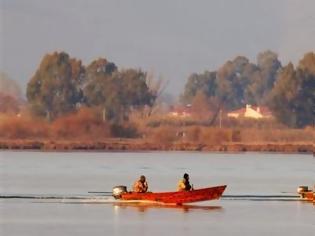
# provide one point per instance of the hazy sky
(172, 38)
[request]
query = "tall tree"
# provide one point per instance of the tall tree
(254, 89)
(231, 83)
(293, 96)
(116, 91)
(306, 91)
(282, 97)
(53, 90)
(269, 66)
(98, 81)
(237, 82)
(136, 92)
(205, 83)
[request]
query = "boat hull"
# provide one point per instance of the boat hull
(180, 197)
(308, 196)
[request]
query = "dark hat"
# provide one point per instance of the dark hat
(186, 176)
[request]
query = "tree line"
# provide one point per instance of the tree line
(62, 84)
(288, 91)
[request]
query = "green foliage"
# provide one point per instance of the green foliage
(54, 89)
(136, 93)
(116, 91)
(237, 82)
(292, 99)
(99, 82)
(231, 82)
(204, 82)
(283, 95)
(61, 83)
(289, 92)
(269, 67)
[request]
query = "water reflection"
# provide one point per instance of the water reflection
(144, 207)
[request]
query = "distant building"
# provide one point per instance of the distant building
(181, 112)
(249, 111)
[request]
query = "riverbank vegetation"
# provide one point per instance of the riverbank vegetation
(67, 101)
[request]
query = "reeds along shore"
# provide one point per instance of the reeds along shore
(86, 131)
(141, 145)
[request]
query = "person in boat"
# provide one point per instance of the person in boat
(141, 185)
(184, 184)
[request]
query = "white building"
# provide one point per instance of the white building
(249, 111)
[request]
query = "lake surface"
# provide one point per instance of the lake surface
(75, 174)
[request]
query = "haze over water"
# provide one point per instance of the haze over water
(172, 38)
(74, 174)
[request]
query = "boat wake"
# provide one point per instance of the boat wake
(60, 197)
(107, 198)
(262, 197)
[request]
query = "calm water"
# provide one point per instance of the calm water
(72, 174)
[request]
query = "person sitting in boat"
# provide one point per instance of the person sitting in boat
(141, 185)
(184, 184)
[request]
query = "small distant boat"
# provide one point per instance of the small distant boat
(306, 194)
(179, 197)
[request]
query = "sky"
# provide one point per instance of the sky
(170, 38)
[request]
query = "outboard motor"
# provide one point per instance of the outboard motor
(302, 189)
(118, 190)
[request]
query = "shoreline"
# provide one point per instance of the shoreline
(142, 145)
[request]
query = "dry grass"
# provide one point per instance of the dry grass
(217, 136)
(87, 125)
(84, 124)
(163, 135)
(278, 135)
(14, 127)
(208, 135)
(243, 130)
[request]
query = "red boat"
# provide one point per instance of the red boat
(179, 197)
(306, 194)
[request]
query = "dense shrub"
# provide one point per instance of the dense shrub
(25, 127)
(86, 123)
(124, 131)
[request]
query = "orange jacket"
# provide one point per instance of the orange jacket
(140, 187)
